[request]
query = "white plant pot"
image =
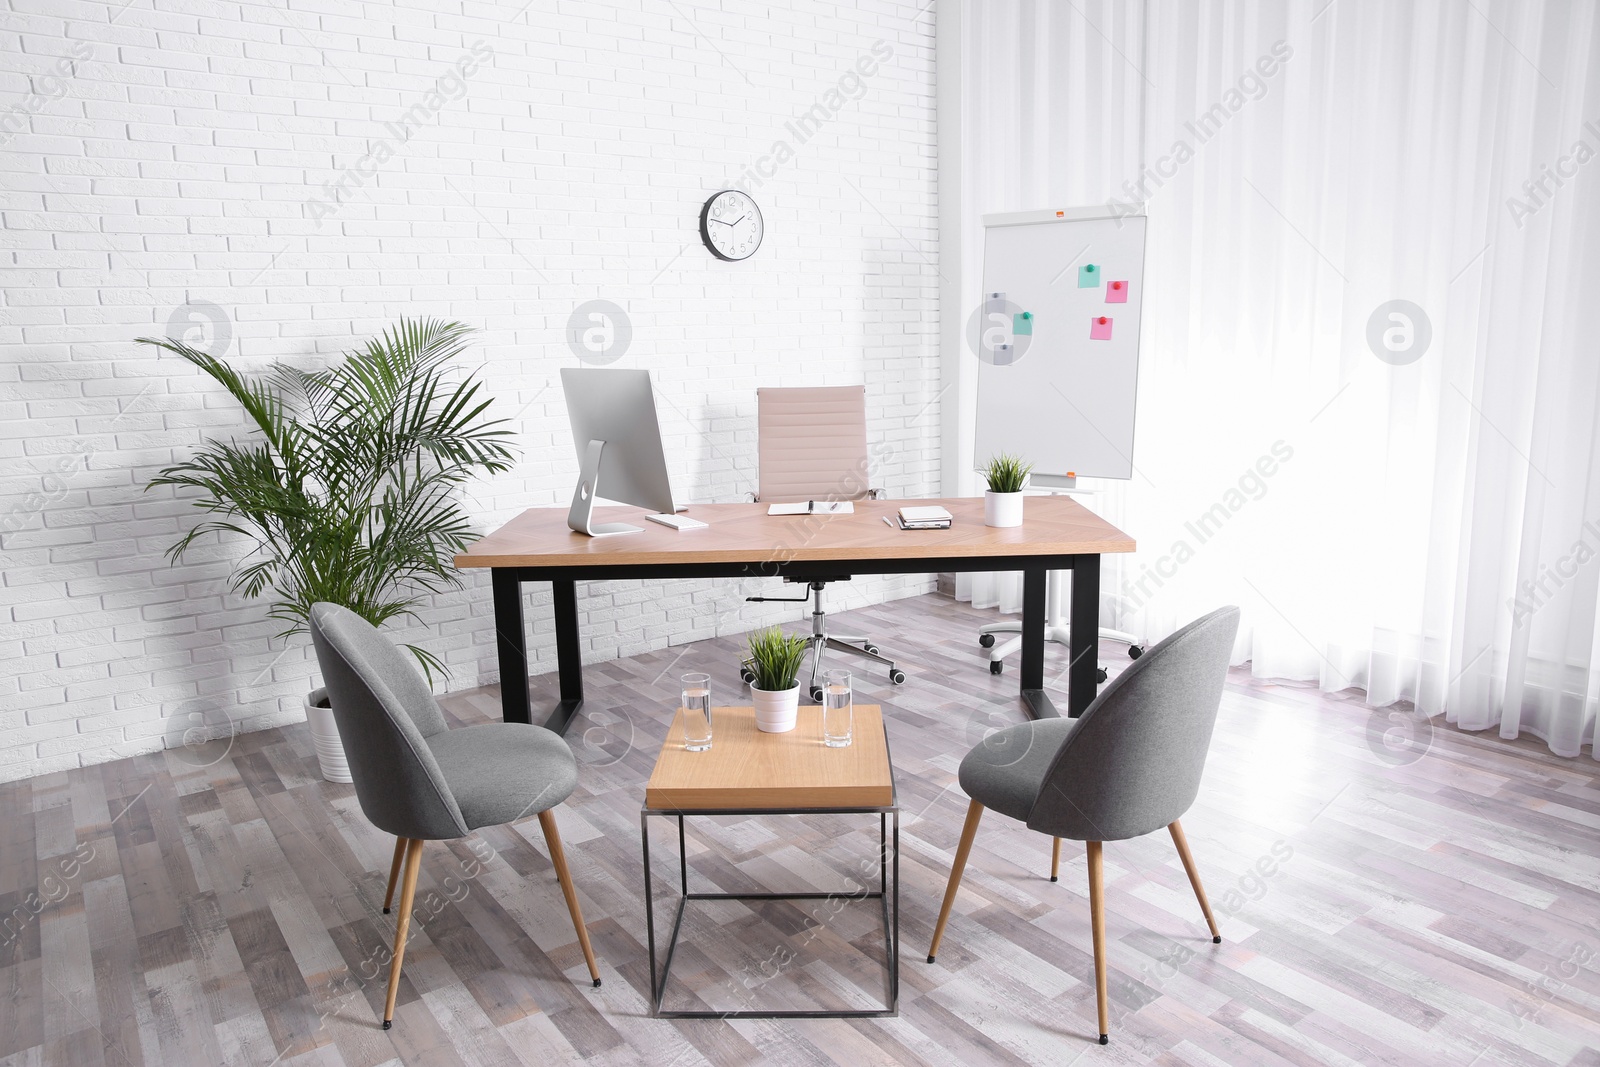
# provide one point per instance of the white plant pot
(1002, 509)
(776, 711)
(325, 737)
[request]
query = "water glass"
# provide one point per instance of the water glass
(838, 709)
(696, 712)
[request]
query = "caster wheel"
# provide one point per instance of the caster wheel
(996, 666)
(870, 649)
(746, 677)
(986, 640)
(816, 693)
(897, 677)
(1100, 674)
(1135, 651)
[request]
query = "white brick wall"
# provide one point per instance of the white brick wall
(174, 153)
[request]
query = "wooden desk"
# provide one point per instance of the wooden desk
(742, 540)
(751, 770)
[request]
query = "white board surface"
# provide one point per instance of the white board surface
(1060, 398)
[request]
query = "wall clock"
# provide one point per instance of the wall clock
(731, 226)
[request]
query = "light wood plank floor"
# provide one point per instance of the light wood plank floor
(221, 904)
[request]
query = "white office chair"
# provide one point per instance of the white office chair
(813, 446)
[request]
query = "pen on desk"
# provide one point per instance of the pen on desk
(887, 523)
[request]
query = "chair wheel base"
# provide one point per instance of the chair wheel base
(1105, 1039)
(597, 983)
(930, 959)
(1216, 940)
(388, 1024)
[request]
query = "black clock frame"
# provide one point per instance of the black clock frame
(705, 225)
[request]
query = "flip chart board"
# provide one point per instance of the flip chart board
(1060, 393)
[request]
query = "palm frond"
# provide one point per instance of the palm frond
(351, 492)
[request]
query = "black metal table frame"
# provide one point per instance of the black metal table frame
(891, 930)
(511, 629)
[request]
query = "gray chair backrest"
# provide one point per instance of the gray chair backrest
(1132, 764)
(811, 444)
(386, 713)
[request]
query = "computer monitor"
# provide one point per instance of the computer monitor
(618, 441)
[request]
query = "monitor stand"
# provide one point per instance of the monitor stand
(581, 515)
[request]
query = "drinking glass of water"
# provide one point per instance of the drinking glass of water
(838, 709)
(696, 712)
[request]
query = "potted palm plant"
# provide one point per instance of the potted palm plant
(774, 661)
(347, 488)
(1002, 501)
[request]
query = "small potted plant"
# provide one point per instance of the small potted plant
(775, 659)
(1002, 502)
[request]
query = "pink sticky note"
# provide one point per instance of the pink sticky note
(1116, 292)
(1100, 328)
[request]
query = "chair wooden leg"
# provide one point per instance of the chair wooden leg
(1055, 859)
(968, 832)
(394, 871)
(1194, 878)
(1097, 919)
(402, 925)
(552, 837)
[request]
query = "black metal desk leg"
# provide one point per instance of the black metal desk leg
(1033, 608)
(569, 658)
(510, 639)
(1084, 619)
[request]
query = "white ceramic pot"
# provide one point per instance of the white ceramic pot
(325, 737)
(1002, 509)
(776, 710)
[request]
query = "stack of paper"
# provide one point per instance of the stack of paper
(931, 517)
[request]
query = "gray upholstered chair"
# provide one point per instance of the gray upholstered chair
(420, 780)
(1129, 766)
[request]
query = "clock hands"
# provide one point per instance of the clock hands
(736, 222)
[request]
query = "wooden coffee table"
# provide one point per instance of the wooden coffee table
(747, 772)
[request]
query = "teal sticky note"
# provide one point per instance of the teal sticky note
(1022, 322)
(1088, 276)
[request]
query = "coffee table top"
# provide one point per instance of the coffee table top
(748, 770)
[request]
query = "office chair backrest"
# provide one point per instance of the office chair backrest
(385, 713)
(1132, 765)
(813, 444)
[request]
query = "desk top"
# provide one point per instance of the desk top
(745, 533)
(748, 769)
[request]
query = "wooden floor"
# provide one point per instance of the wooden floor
(222, 904)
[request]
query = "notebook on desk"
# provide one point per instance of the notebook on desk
(813, 507)
(925, 517)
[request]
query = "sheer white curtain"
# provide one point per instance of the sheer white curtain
(1420, 522)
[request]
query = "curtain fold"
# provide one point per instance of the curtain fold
(1368, 381)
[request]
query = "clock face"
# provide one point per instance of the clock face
(731, 226)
